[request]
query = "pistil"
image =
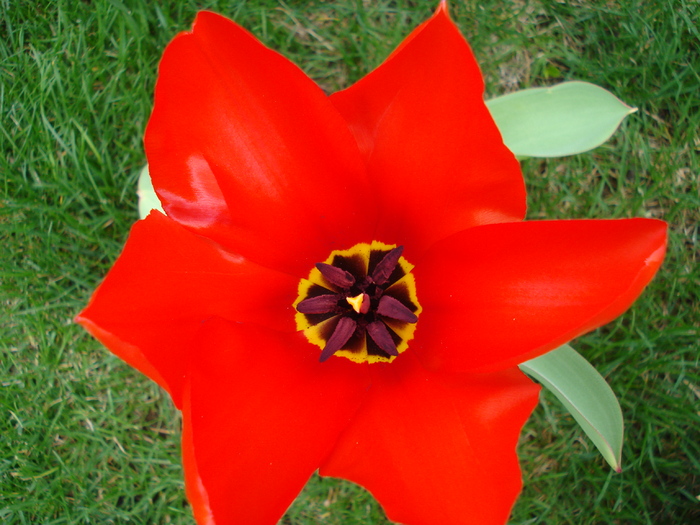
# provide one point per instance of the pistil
(360, 303)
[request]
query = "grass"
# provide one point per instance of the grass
(84, 439)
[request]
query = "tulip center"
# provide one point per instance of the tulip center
(360, 304)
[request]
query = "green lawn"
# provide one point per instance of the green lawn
(85, 439)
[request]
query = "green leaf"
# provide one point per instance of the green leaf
(584, 392)
(565, 119)
(148, 200)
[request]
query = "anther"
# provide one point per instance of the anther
(380, 335)
(321, 304)
(390, 307)
(336, 276)
(343, 331)
(386, 266)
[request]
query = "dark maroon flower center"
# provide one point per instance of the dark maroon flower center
(365, 307)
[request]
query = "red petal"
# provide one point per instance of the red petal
(261, 415)
(165, 283)
(194, 487)
(498, 295)
(437, 450)
(433, 151)
(245, 149)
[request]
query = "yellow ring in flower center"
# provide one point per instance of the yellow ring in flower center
(360, 304)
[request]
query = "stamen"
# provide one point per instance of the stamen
(393, 308)
(336, 276)
(343, 331)
(321, 304)
(360, 303)
(380, 335)
(386, 266)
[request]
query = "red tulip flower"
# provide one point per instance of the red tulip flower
(345, 283)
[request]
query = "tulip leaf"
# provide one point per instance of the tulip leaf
(565, 119)
(584, 392)
(148, 200)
